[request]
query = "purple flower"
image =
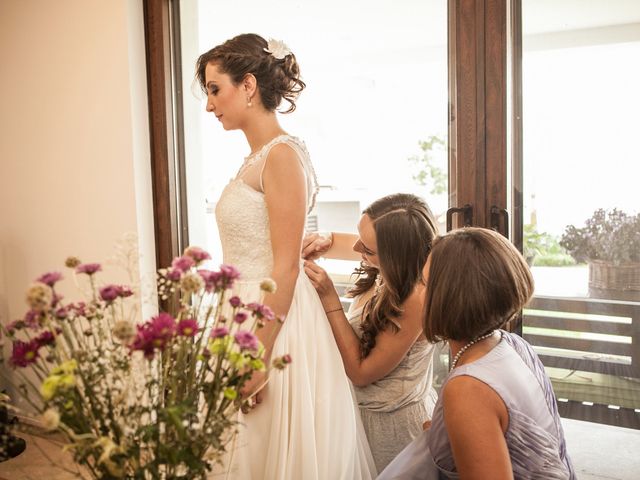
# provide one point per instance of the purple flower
(281, 362)
(211, 279)
(88, 268)
(24, 353)
(79, 308)
(261, 311)
(62, 313)
(183, 263)
(219, 332)
(15, 325)
(50, 278)
(155, 333)
(45, 338)
(246, 340)
(197, 254)
(110, 293)
(235, 301)
(32, 319)
(240, 317)
(188, 327)
(163, 326)
(143, 341)
(229, 275)
(174, 274)
(125, 291)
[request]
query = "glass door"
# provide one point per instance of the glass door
(373, 115)
(575, 200)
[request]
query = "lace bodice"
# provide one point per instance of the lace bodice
(243, 220)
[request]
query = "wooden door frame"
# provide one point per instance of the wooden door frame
(164, 88)
(478, 107)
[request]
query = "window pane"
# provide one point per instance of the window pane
(580, 146)
(376, 89)
(373, 115)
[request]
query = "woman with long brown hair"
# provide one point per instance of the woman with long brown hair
(380, 338)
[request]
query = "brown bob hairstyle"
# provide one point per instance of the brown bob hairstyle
(476, 282)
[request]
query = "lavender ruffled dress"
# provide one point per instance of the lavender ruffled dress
(535, 438)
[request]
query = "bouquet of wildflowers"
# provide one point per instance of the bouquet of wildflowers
(152, 400)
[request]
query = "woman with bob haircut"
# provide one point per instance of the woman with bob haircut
(496, 416)
(384, 351)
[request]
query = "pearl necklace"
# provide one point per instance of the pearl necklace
(457, 356)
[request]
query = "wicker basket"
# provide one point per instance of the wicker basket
(607, 276)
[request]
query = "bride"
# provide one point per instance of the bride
(306, 425)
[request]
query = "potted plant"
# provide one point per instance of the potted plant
(610, 244)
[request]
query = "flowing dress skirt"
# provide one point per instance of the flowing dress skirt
(308, 425)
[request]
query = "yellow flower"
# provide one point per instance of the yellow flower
(257, 364)
(109, 448)
(230, 393)
(67, 381)
(238, 360)
(219, 345)
(49, 387)
(69, 366)
(54, 382)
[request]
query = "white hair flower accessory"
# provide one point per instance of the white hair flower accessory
(277, 48)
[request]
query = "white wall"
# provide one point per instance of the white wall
(74, 140)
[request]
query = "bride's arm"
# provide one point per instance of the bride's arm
(285, 195)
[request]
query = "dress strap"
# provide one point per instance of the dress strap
(300, 149)
(259, 156)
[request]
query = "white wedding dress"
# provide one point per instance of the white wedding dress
(308, 425)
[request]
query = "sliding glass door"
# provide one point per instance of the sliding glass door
(579, 210)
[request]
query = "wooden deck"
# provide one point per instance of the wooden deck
(592, 351)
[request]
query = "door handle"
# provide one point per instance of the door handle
(496, 214)
(467, 215)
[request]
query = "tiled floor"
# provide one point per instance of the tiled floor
(599, 452)
(42, 460)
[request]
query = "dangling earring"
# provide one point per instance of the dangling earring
(249, 104)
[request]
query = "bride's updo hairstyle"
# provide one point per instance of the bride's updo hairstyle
(405, 229)
(277, 78)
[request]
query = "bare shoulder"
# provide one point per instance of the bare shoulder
(283, 156)
(412, 308)
(282, 169)
(465, 396)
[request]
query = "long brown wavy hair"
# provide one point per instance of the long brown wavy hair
(405, 229)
